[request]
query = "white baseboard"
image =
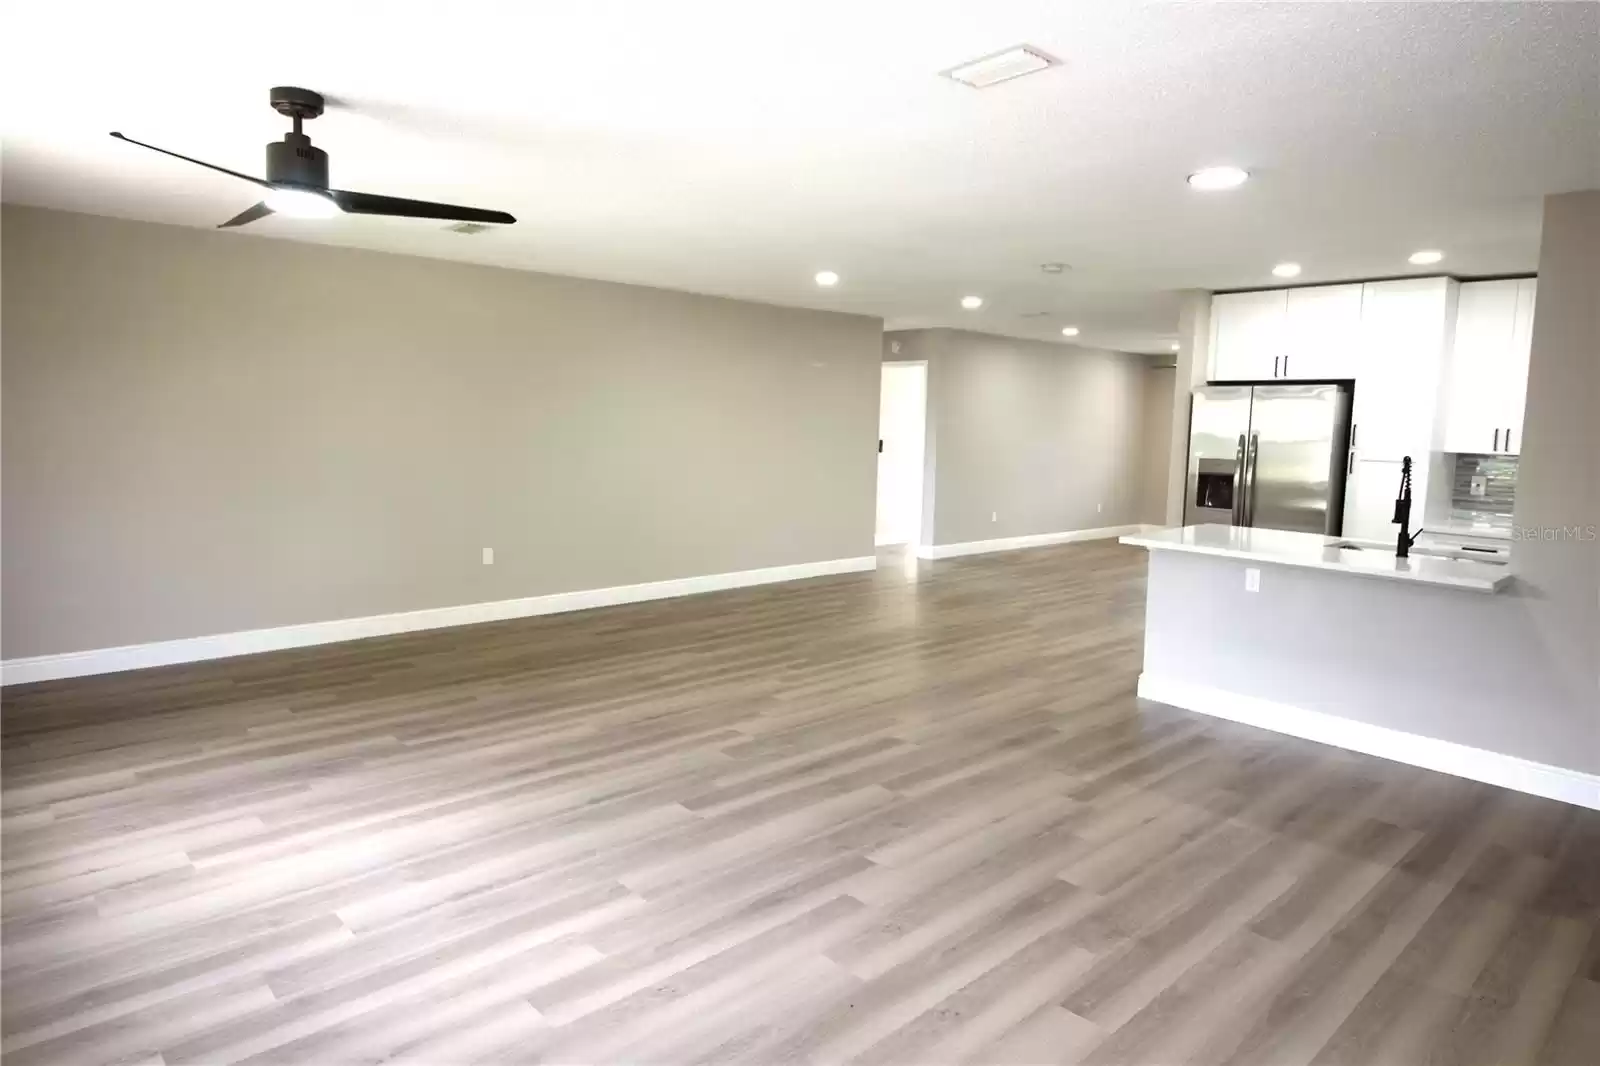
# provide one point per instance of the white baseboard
(248, 642)
(1476, 764)
(1032, 540)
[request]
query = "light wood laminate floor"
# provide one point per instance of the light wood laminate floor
(878, 818)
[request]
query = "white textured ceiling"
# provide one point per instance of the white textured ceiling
(738, 146)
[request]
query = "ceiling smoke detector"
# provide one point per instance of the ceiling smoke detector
(1053, 268)
(468, 228)
(993, 69)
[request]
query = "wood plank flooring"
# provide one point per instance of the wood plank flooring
(915, 816)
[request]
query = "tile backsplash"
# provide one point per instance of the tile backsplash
(1484, 489)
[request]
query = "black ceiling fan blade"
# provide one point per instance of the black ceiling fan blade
(248, 215)
(366, 203)
(197, 162)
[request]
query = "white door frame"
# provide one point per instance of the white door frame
(915, 536)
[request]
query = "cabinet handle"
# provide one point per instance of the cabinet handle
(1275, 365)
(1508, 438)
(1286, 366)
(1350, 467)
(1353, 428)
(1497, 440)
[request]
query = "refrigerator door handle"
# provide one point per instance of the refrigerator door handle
(1238, 484)
(1250, 481)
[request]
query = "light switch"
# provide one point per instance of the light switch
(1252, 579)
(488, 557)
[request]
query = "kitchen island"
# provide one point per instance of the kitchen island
(1359, 558)
(1343, 643)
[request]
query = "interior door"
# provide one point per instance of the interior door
(1295, 478)
(902, 413)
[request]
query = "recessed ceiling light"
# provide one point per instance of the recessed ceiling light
(1174, 345)
(1069, 331)
(827, 278)
(1286, 270)
(1052, 268)
(1426, 258)
(972, 303)
(1001, 66)
(1213, 178)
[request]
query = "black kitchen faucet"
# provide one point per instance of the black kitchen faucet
(1402, 512)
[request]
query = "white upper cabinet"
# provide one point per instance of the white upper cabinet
(1486, 378)
(1516, 395)
(1247, 335)
(1322, 333)
(1308, 334)
(1404, 330)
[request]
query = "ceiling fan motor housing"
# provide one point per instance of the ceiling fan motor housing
(296, 161)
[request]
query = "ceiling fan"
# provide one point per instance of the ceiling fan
(297, 177)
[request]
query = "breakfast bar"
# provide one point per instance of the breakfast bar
(1342, 642)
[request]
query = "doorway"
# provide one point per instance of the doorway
(902, 422)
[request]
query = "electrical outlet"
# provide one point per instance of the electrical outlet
(488, 557)
(994, 516)
(1252, 579)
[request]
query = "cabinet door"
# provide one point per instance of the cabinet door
(1246, 335)
(1322, 333)
(1403, 328)
(1475, 410)
(1514, 393)
(1369, 493)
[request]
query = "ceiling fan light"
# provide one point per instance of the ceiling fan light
(301, 203)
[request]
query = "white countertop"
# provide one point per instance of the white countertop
(1479, 530)
(1317, 552)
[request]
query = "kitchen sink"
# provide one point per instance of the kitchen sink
(1488, 558)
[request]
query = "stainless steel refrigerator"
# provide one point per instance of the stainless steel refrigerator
(1270, 456)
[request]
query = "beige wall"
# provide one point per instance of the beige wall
(1558, 475)
(1039, 434)
(1155, 446)
(210, 432)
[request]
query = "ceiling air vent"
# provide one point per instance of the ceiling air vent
(467, 228)
(1002, 66)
